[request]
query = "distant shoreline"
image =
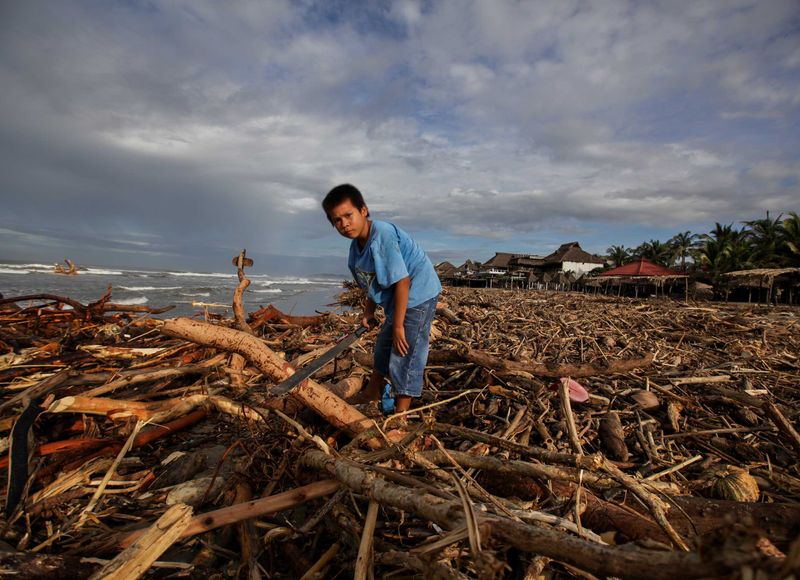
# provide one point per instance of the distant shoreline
(157, 288)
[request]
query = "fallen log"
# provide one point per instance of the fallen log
(137, 558)
(110, 448)
(97, 308)
(61, 447)
(554, 370)
(519, 468)
(447, 314)
(155, 411)
(41, 566)
(249, 539)
(694, 517)
(71, 358)
(38, 390)
(550, 370)
(591, 462)
(244, 511)
(106, 353)
(313, 395)
(771, 410)
(625, 562)
(138, 377)
(47, 297)
(264, 315)
(113, 307)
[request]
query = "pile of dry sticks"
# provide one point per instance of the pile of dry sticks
(141, 446)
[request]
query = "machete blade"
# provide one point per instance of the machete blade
(307, 371)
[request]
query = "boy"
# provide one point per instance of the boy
(396, 274)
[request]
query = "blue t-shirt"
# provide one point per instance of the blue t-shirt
(389, 256)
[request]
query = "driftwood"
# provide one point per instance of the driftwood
(70, 270)
(91, 309)
(270, 313)
(540, 369)
(601, 560)
(251, 509)
(491, 474)
(135, 560)
(555, 370)
(237, 360)
(310, 393)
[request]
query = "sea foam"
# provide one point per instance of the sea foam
(132, 301)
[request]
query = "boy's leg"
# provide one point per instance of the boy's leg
(373, 390)
(402, 403)
(407, 372)
(380, 366)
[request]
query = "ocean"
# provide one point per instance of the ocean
(292, 295)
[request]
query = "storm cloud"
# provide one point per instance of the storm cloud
(174, 133)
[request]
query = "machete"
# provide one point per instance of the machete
(312, 367)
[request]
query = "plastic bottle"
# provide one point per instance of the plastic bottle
(387, 400)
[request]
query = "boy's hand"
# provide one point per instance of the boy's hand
(370, 322)
(399, 340)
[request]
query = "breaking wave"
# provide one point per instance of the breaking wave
(296, 281)
(199, 275)
(132, 301)
(144, 288)
(102, 272)
(48, 267)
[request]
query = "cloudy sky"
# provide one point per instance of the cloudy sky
(171, 134)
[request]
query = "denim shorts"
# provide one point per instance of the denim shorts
(406, 372)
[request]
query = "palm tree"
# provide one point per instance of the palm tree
(741, 254)
(682, 244)
(712, 254)
(766, 236)
(655, 251)
(790, 240)
(724, 249)
(618, 255)
(721, 233)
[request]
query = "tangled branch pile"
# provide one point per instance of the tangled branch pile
(140, 445)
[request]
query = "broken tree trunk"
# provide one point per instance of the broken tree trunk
(550, 370)
(313, 395)
(264, 315)
(237, 360)
(137, 558)
(630, 562)
(244, 511)
(553, 370)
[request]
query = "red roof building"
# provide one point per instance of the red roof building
(641, 267)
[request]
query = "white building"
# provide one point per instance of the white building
(571, 257)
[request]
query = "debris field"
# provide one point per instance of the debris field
(559, 435)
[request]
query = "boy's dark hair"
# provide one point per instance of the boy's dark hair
(340, 194)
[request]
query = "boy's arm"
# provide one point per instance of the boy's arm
(401, 289)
